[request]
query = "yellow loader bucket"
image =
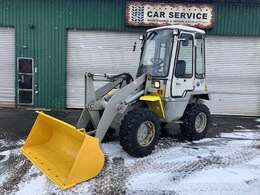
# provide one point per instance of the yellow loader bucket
(63, 153)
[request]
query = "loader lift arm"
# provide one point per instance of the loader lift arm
(94, 101)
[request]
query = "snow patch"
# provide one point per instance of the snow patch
(257, 120)
(153, 181)
(6, 155)
(3, 143)
(255, 162)
(114, 149)
(222, 175)
(180, 154)
(20, 142)
(10, 144)
(36, 184)
(211, 179)
(234, 180)
(245, 130)
(240, 179)
(240, 126)
(3, 178)
(6, 165)
(245, 134)
(205, 140)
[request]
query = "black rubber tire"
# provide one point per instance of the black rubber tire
(164, 130)
(128, 131)
(188, 126)
(109, 136)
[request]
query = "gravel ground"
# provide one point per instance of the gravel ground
(231, 150)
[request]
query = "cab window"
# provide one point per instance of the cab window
(184, 64)
(200, 59)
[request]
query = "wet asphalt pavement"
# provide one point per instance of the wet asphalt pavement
(15, 124)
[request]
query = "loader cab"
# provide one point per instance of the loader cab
(175, 58)
(156, 53)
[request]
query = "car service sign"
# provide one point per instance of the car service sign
(160, 14)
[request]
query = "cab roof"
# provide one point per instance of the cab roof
(180, 27)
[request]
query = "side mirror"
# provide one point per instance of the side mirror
(175, 32)
(134, 47)
(141, 38)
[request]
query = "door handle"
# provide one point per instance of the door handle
(21, 79)
(178, 83)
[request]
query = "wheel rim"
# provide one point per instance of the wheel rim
(146, 133)
(200, 122)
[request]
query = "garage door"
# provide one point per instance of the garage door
(233, 67)
(97, 52)
(7, 64)
(233, 73)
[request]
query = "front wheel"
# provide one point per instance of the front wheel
(196, 120)
(139, 132)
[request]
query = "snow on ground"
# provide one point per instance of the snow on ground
(240, 179)
(34, 182)
(8, 150)
(3, 161)
(216, 166)
(257, 120)
(31, 184)
(228, 164)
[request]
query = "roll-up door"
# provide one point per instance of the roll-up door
(98, 52)
(7, 67)
(233, 67)
(233, 74)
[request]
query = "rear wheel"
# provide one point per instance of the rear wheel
(196, 120)
(139, 132)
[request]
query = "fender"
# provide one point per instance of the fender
(155, 104)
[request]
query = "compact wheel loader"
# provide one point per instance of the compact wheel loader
(170, 86)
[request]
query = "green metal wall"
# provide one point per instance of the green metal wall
(41, 33)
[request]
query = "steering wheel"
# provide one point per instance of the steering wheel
(157, 61)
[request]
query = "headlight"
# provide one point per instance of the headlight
(157, 84)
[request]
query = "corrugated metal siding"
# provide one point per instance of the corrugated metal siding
(98, 52)
(41, 33)
(237, 19)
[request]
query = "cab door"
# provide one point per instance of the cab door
(183, 77)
